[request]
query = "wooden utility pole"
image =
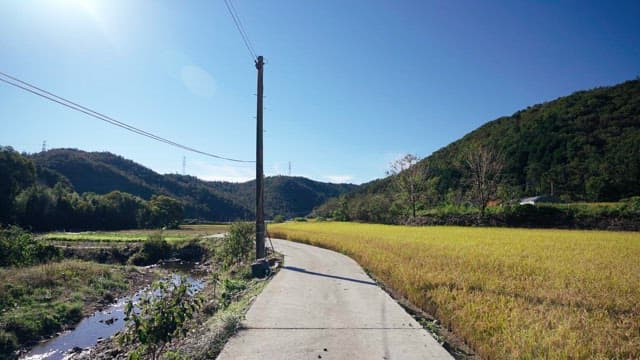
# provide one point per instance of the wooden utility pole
(260, 250)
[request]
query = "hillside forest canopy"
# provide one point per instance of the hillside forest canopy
(29, 199)
(580, 148)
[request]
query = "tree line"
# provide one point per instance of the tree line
(411, 188)
(28, 200)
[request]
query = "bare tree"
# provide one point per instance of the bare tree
(409, 178)
(483, 166)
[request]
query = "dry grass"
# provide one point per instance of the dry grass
(510, 293)
(38, 301)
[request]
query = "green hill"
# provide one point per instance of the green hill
(582, 147)
(284, 195)
(103, 172)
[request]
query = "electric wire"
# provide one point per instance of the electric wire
(87, 111)
(243, 33)
(233, 7)
(238, 23)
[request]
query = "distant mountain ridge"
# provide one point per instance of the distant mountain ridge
(581, 147)
(102, 172)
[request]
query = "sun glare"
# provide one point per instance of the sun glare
(89, 6)
(90, 11)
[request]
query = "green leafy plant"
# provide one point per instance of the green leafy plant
(8, 344)
(238, 244)
(159, 317)
(155, 248)
(20, 248)
(230, 290)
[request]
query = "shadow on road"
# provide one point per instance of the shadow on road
(305, 271)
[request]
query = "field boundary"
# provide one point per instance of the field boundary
(454, 344)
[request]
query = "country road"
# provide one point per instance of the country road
(322, 305)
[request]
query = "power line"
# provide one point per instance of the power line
(74, 106)
(243, 33)
(246, 35)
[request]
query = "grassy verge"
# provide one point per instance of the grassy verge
(212, 330)
(229, 290)
(509, 293)
(174, 235)
(227, 296)
(38, 301)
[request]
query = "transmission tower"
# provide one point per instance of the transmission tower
(184, 165)
(44, 146)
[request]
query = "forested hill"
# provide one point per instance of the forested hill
(582, 147)
(586, 145)
(102, 172)
(286, 195)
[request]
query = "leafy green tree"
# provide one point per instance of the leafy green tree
(340, 213)
(35, 207)
(238, 244)
(20, 248)
(121, 210)
(18, 172)
(164, 211)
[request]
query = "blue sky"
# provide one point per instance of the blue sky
(350, 85)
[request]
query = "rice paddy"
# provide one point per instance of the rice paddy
(509, 293)
(185, 232)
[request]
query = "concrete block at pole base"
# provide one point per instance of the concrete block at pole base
(260, 268)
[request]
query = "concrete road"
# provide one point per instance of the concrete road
(322, 305)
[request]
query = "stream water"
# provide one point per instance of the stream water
(101, 325)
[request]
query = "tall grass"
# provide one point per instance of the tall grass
(37, 301)
(510, 293)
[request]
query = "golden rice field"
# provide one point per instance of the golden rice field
(509, 293)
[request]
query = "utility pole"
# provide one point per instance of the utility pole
(260, 229)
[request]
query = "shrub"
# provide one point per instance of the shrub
(29, 325)
(238, 244)
(633, 204)
(278, 219)
(68, 313)
(20, 248)
(154, 249)
(8, 344)
(192, 250)
(161, 317)
(230, 290)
